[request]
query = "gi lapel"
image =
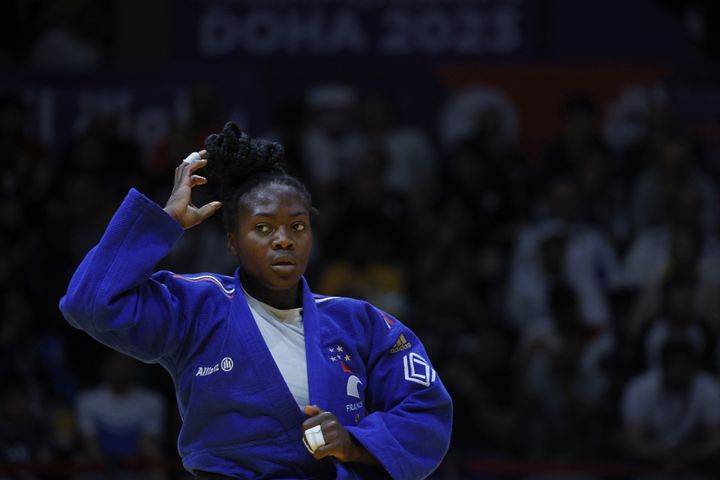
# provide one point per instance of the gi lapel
(317, 373)
(268, 374)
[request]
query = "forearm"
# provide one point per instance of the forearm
(114, 295)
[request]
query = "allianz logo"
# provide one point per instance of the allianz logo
(226, 364)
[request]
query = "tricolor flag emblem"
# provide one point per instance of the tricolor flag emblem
(339, 354)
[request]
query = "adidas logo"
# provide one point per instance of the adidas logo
(400, 344)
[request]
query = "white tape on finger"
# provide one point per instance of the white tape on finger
(313, 438)
(191, 157)
(305, 442)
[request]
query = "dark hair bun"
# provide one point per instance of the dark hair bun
(234, 158)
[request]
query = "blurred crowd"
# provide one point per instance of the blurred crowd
(570, 303)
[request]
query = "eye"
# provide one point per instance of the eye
(262, 228)
(298, 227)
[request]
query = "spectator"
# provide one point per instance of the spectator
(487, 394)
(362, 273)
(330, 140)
(488, 176)
(457, 275)
(671, 413)
(579, 135)
(28, 176)
(24, 435)
(675, 171)
(560, 249)
(679, 247)
(566, 382)
(677, 320)
(411, 168)
(73, 36)
(119, 419)
(601, 194)
(368, 203)
(29, 351)
(686, 247)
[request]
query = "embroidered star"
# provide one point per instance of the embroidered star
(347, 358)
(339, 348)
(333, 359)
(332, 350)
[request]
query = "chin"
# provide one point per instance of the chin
(283, 282)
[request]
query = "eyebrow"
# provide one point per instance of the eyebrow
(272, 215)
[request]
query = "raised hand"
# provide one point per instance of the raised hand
(338, 441)
(179, 205)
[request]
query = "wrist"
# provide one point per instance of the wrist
(362, 454)
(172, 214)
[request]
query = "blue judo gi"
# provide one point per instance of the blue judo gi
(239, 417)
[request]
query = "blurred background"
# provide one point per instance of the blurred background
(530, 185)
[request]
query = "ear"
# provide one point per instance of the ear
(232, 244)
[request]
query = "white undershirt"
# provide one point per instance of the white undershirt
(284, 335)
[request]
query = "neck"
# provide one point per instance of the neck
(280, 299)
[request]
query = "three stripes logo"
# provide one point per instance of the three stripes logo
(400, 344)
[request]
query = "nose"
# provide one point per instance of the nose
(282, 240)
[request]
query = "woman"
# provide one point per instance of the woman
(272, 381)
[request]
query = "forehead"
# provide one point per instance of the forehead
(273, 199)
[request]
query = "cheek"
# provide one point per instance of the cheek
(250, 250)
(306, 246)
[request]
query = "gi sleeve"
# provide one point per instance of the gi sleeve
(410, 411)
(113, 295)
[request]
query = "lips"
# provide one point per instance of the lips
(283, 261)
(284, 265)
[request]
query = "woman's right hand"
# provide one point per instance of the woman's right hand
(179, 205)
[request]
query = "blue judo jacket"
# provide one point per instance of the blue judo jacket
(239, 417)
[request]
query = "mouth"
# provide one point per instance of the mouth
(283, 265)
(283, 262)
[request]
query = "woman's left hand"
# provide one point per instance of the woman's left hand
(338, 441)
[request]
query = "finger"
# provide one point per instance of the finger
(325, 419)
(197, 180)
(182, 173)
(330, 426)
(185, 170)
(316, 419)
(311, 422)
(197, 164)
(203, 153)
(312, 410)
(192, 157)
(315, 438)
(327, 450)
(209, 209)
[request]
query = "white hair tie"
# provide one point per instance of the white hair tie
(191, 157)
(313, 438)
